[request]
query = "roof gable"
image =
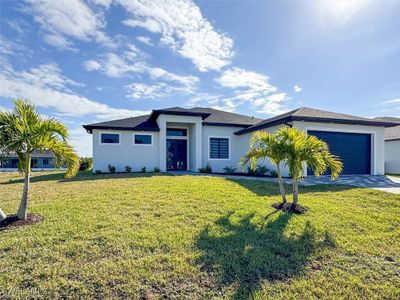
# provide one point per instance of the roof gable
(315, 115)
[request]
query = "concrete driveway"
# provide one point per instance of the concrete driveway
(384, 183)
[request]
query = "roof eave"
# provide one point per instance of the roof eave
(158, 112)
(89, 128)
(316, 120)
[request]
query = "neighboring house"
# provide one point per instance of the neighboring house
(392, 146)
(41, 160)
(187, 139)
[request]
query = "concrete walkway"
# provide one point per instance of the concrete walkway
(384, 183)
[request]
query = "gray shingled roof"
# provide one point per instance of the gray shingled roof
(391, 133)
(148, 122)
(315, 115)
(140, 123)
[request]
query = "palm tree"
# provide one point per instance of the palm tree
(302, 149)
(23, 131)
(266, 145)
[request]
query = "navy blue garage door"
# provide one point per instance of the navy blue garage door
(353, 149)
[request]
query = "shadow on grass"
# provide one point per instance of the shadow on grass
(82, 176)
(242, 254)
(266, 188)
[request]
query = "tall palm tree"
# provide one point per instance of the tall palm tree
(301, 150)
(266, 145)
(23, 131)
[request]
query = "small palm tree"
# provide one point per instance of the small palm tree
(266, 145)
(301, 149)
(23, 131)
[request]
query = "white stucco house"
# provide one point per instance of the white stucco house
(392, 146)
(187, 139)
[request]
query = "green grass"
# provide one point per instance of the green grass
(128, 236)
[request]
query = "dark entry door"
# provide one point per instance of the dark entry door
(353, 149)
(176, 154)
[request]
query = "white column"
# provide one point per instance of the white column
(199, 146)
(162, 124)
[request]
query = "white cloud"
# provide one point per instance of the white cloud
(91, 65)
(240, 78)
(145, 40)
(47, 87)
(297, 89)
(391, 101)
(114, 65)
(254, 88)
(183, 29)
(72, 18)
(58, 41)
(147, 91)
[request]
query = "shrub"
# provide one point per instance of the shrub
(273, 173)
(229, 170)
(144, 170)
(156, 170)
(250, 171)
(261, 170)
(111, 169)
(206, 169)
(98, 171)
(128, 169)
(258, 171)
(85, 163)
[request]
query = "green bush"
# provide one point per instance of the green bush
(206, 169)
(144, 170)
(98, 171)
(258, 171)
(229, 170)
(85, 163)
(111, 169)
(156, 170)
(128, 169)
(273, 173)
(261, 170)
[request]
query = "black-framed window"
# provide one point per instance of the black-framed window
(176, 132)
(45, 161)
(143, 139)
(219, 148)
(110, 138)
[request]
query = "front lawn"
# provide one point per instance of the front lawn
(133, 236)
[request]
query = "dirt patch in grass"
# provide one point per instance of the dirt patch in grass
(288, 207)
(12, 221)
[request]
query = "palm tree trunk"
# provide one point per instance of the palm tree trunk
(3, 216)
(295, 191)
(281, 187)
(23, 207)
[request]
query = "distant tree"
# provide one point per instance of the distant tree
(23, 131)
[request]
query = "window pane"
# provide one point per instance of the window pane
(143, 139)
(219, 148)
(110, 138)
(176, 132)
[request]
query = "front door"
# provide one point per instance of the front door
(176, 154)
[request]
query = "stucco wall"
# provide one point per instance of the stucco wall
(392, 157)
(125, 153)
(377, 141)
(238, 144)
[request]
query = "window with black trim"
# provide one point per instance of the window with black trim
(110, 138)
(176, 132)
(219, 148)
(143, 139)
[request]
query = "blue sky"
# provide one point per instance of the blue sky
(88, 61)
